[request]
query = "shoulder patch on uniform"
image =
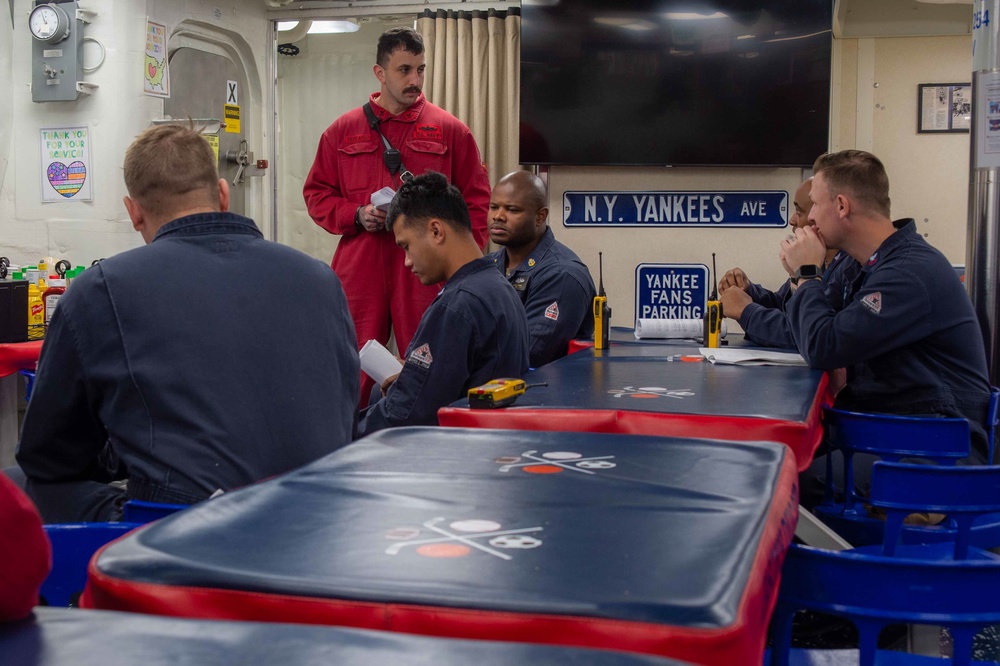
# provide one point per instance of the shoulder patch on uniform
(873, 302)
(552, 312)
(421, 356)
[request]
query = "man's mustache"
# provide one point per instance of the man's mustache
(412, 89)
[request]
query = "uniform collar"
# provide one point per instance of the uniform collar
(906, 229)
(208, 223)
(408, 115)
(474, 266)
(533, 259)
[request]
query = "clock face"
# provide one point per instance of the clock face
(48, 24)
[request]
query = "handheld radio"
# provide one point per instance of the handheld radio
(602, 313)
(498, 393)
(713, 312)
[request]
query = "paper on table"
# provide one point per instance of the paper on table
(749, 356)
(672, 328)
(382, 198)
(378, 362)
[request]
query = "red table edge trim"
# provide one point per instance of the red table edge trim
(779, 530)
(21, 356)
(803, 438)
(727, 645)
(746, 636)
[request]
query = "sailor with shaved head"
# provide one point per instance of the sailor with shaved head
(553, 284)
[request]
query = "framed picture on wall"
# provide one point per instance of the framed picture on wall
(944, 107)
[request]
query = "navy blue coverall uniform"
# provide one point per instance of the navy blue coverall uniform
(474, 331)
(208, 359)
(558, 295)
(906, 333)
(764, 321)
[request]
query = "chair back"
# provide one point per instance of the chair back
(961, 493)
(29, 382)
(943, 440)
(873, 591)
(140, 511)
(892, 438)
(73, 544)
(992, 420)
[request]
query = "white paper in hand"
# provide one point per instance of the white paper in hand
(378, 362)
(382, 198)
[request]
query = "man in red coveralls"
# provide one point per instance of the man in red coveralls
(351, 164)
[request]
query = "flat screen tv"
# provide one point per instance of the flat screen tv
(675, 82)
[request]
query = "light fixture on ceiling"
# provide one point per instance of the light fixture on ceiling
(323, 27)
(626, 23)
(330, 27)
(692, 16)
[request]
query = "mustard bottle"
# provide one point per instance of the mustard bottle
(36, 313)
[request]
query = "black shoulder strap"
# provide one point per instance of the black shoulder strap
(392, 157)
(373, 120)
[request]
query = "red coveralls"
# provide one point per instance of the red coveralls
(381, 292)
(27, 554)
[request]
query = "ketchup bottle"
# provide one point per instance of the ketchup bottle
(51, 296)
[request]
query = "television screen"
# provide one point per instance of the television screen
(675, 82)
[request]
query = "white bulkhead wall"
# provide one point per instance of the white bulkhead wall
(6, 110)
(116, 112)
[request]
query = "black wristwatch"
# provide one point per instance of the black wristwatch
(357, 218)
(807, 272)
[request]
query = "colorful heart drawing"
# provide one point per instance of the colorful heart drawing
(67, 180)
(152, 71)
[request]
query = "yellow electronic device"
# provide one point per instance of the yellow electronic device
(713, 323)
(496, 393)
(602, 313)
(713, 313)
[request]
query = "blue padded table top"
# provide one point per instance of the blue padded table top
(74, 637)
(652, 390)
(520, 526)
(656, 379)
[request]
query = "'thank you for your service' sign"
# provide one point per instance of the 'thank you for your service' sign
(767, 208)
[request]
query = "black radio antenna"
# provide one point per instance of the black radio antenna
(715, 281)
(600, 273)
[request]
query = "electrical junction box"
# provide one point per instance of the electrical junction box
(57, 51)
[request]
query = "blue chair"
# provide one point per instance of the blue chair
(963, 494)
(73, 544)
(992, 421)
(873, 591)
(29, 382)
(892, 438)
(140, 511)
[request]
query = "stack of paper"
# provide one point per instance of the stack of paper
(378, 362)
(750, 356)
(382, 198)
(672, 328)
